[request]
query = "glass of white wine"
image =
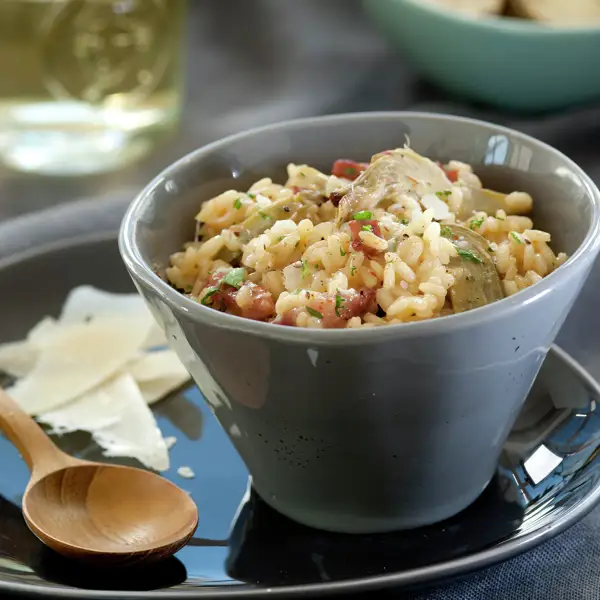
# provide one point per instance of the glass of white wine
(87, 86)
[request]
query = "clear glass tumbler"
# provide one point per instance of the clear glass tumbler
(87, 85)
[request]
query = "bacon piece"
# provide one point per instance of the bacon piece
(348, 169)
(356, 227)
(357, 303)
(216, 299)
(339, 309)
(451, 174)
(336, 310)
(335, 197)
(260, 308)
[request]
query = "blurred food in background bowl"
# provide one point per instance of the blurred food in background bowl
(501, 59)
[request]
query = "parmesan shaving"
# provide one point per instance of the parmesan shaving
(186, 473)
(158, 373)
(170, 441)
(157, 365)
(86, 302)
(97, 368)
(18, 358)
(119, 420)
(155, 390)
(77, 358)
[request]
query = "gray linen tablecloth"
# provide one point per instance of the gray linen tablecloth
(252, 62)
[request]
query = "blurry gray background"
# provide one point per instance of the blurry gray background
(251, 62)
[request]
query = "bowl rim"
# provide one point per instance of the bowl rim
(143, 273)
(499, 22)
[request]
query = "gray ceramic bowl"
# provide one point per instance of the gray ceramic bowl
(377, 429)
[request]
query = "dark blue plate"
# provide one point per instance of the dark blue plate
(547, 480)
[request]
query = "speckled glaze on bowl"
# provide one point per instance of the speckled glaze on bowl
(509, 63)
(377, 429)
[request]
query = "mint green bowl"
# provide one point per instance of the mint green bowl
(509, 63)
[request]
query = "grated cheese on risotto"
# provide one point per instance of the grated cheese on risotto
(398, 239)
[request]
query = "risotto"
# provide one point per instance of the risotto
(401, 238)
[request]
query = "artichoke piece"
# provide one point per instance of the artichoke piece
(477, 282)
(488, 201)
(229, 255)
(403, 169)
(260, 221)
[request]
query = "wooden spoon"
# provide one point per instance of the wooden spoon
(93, 512)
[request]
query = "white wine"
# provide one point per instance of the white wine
(87, 85)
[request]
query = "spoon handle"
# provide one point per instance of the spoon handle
(38, 450)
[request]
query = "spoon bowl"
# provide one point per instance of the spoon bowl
(102, 514)
(121, 513)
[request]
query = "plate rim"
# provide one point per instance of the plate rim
(430, 575)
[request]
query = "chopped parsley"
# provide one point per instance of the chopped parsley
(251, 195)
(234, 277)
(469, 255)
(404, 221)
(237, 204)
(263, 215)
(363, 215)
(350, 171)
(339, 303)
(368, 228)
(445, 231)
(476, 223)
(443, 194)
(314, 313)
(352, 271)
(515, 236)
(305, 268)
(342, 253)
(207, 299)
(490, 249)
